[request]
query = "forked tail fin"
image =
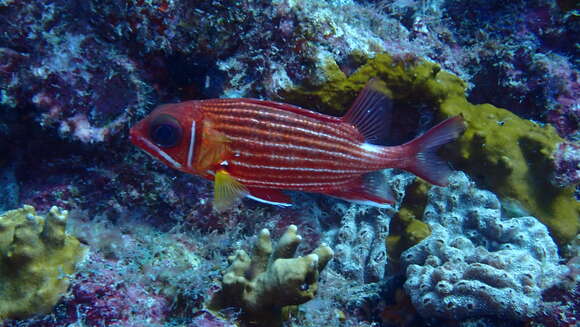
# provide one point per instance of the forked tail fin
(425, 162)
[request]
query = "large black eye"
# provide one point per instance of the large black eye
(165, 131)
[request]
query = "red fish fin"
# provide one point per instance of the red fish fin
(371, 112)
(371, 189)
(426, 164)
(227, 190)
(270, 196)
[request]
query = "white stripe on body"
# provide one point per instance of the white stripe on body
(313, 170)
(317, 130)
(236, 124)
(288, 147)
(288, 185)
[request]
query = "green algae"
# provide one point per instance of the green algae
(509, 155)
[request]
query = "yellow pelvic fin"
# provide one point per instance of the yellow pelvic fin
(227, 190)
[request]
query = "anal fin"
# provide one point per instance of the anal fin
(371, 189)
(269, 196)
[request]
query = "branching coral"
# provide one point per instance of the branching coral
(262, 286)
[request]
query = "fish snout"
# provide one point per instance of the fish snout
(134, 136)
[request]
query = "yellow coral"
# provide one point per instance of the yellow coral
(514, 157)
(508, 154)
(272, 280)
(36, 258)
(407, 229)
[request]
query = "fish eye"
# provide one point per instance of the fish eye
(165, 131)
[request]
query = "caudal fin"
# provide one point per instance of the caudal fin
(426, 164)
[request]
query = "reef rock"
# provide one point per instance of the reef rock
(476, 262)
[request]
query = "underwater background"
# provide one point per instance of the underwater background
(94, 232)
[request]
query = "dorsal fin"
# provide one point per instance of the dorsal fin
(371, 112)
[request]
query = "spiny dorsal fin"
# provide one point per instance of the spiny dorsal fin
(371, 112)
(227, 190)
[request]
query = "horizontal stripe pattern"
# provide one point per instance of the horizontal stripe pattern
(282, 149)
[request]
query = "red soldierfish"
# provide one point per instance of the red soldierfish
(254, 148)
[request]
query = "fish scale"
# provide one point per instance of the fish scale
(337, 139)
(257, 148)
(259, 143)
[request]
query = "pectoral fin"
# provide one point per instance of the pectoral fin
(227, 190)
(214, 148)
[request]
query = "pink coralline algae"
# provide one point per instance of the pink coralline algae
(567, 164)
(207, 319)
(105, 300)
(560, 307)
(106, 297)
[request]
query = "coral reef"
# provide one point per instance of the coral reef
(37, 258)
(262, 286)
(136, 275)
(359, 238)
(515, 158)
(518, 154)
(476, 262)
(76, 84)
(75, 74)
(93, 66)
(205, 318)
(535, 82)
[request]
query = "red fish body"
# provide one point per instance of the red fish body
(256, 148)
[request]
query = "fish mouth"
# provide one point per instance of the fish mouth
(152, 149)
(133, 137)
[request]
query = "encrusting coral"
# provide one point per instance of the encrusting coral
(36, 258)
(510, 155)
(477, 263)
(360, 247)
(272, 279)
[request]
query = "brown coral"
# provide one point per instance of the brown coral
(272, 279)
